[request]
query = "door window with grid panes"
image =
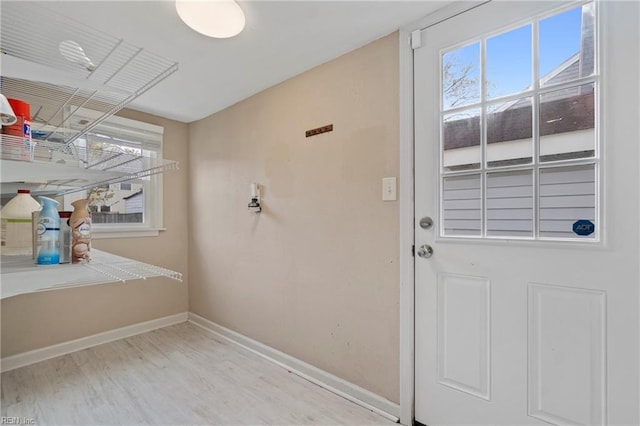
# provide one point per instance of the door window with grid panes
(518, 131)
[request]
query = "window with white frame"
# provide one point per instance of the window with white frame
(519, 146)
(124, 206)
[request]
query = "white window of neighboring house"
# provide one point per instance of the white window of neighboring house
(519, 148)
(122, 209)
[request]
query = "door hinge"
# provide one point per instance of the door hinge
(416, 39)
(413, 251)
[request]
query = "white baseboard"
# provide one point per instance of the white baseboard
(42, 354)
(315, 375)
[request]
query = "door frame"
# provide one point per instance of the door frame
(407, 200)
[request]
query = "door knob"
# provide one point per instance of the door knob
(425, 251)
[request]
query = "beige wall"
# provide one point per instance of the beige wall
(42, 319)
(316, 273)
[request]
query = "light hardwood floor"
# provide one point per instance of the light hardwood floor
(176, 375)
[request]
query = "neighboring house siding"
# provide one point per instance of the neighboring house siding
(134, 203)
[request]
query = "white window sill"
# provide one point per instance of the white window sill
(124, 232)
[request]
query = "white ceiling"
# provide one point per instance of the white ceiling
(281, 39)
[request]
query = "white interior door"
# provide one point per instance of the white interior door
(526, 150)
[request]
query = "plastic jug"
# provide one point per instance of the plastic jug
(19, 146)
(17, 223)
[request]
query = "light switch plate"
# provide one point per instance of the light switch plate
(389, 189)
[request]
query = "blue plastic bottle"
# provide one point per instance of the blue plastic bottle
(48, 232)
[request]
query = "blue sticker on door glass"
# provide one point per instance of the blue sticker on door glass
(584, 227)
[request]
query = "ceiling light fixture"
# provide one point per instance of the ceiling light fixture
(213, 18)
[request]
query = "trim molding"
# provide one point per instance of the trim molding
(326, 380)
(31, 357)
(407, 259)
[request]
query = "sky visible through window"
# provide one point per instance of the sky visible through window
(509, 59)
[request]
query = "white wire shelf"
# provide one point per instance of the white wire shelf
(20, 275)
(74, 77)
(51, 168)
(61, 66)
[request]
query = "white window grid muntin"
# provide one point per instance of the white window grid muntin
(535, 92)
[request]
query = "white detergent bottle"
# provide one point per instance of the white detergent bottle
(17, 224)
(48, 233)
